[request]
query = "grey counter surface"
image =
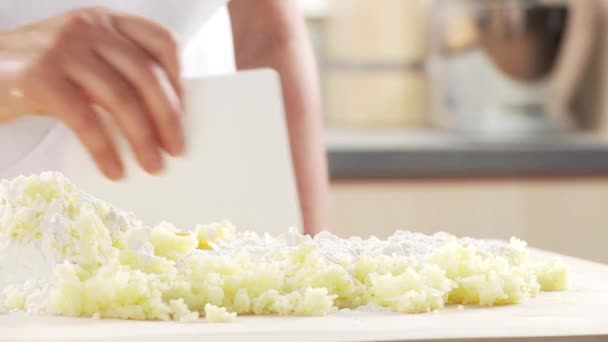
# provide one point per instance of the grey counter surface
(420, 154)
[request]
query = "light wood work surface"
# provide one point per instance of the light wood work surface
(576, 315)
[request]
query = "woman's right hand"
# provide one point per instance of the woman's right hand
(68, 65)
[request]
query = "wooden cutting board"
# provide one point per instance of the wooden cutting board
(580, 314)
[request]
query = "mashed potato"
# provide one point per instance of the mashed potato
(63, 252)
(218, 314)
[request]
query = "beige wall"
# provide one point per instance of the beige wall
(568, 216)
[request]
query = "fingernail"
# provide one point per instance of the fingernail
(179, 144)
(154, 162)
(114, 171)
(177, 140)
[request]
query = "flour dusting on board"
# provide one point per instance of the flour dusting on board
(64, 252)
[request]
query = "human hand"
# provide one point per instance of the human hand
(71, 65)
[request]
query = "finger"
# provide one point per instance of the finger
(107, 88)
(136, 66)
(157, 41)
(68, 104)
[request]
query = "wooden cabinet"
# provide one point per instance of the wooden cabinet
(568, 215)
(380, 30)
(372, 57)
(378, 98)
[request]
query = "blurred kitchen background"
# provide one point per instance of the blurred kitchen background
(485, 118)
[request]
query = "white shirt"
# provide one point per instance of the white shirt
(202, 27)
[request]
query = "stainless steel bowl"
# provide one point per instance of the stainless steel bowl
(522, 38)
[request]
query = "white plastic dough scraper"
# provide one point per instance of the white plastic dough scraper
(238, 165)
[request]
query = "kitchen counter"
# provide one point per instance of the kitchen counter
(415, 154)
